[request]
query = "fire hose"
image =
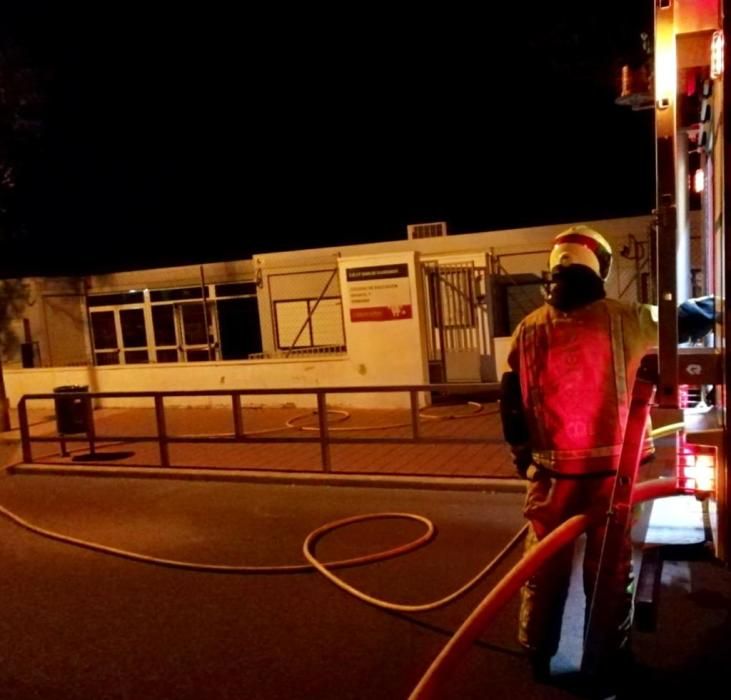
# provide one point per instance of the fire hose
(509, 585)
(309, 553)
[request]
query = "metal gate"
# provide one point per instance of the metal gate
(456, 315)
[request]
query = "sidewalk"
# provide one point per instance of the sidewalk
(443, 460)
(461, 465)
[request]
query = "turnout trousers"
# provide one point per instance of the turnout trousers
(550, 502)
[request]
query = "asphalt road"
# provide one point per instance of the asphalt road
(78, 624)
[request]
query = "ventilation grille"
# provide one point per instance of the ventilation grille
(433, 230)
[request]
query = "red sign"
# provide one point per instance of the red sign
(380, 313)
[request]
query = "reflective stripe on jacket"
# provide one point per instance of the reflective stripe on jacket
(576, 373)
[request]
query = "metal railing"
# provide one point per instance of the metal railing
(324, 436)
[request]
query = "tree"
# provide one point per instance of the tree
(21, 111)
(13, 298)
(22, 107)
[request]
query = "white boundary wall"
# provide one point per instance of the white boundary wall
(205, 376)
(251, 374)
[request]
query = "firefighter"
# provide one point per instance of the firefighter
(564, 408)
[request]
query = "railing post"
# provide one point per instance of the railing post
(24, 431)
(238, 417)
(415, 426)
(324, 433)
(90, 427)
(162, 435)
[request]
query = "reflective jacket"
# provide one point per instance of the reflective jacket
(576, 373)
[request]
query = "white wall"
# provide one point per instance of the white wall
(253, 374)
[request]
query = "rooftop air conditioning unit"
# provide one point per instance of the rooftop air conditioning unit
(432, 230)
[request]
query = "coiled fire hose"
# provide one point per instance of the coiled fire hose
(308, 550)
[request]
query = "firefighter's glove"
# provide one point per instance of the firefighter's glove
(522, 459)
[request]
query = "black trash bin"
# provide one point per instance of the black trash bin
(70, 410)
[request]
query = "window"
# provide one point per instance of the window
(293, 326)
(163, 324)
(105, 332)
(172, 325)
(104, 336)
(197, 344)
(119, 336)
(327, 323)
(194, 324)
(180, 331)
(236, 289)
(115, 299)
(307, 324)
(238, 327)
(182, 294)
(514, 297)
(167, 355)
(133, 328)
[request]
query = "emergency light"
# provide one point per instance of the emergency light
(717, 50)
(696, 469)
(699, 181)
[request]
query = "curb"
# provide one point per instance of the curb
(507, 485)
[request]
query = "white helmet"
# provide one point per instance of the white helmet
(581, 245)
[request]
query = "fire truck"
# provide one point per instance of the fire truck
(691, 158)
(682, 77)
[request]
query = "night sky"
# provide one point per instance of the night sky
(214, 132)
